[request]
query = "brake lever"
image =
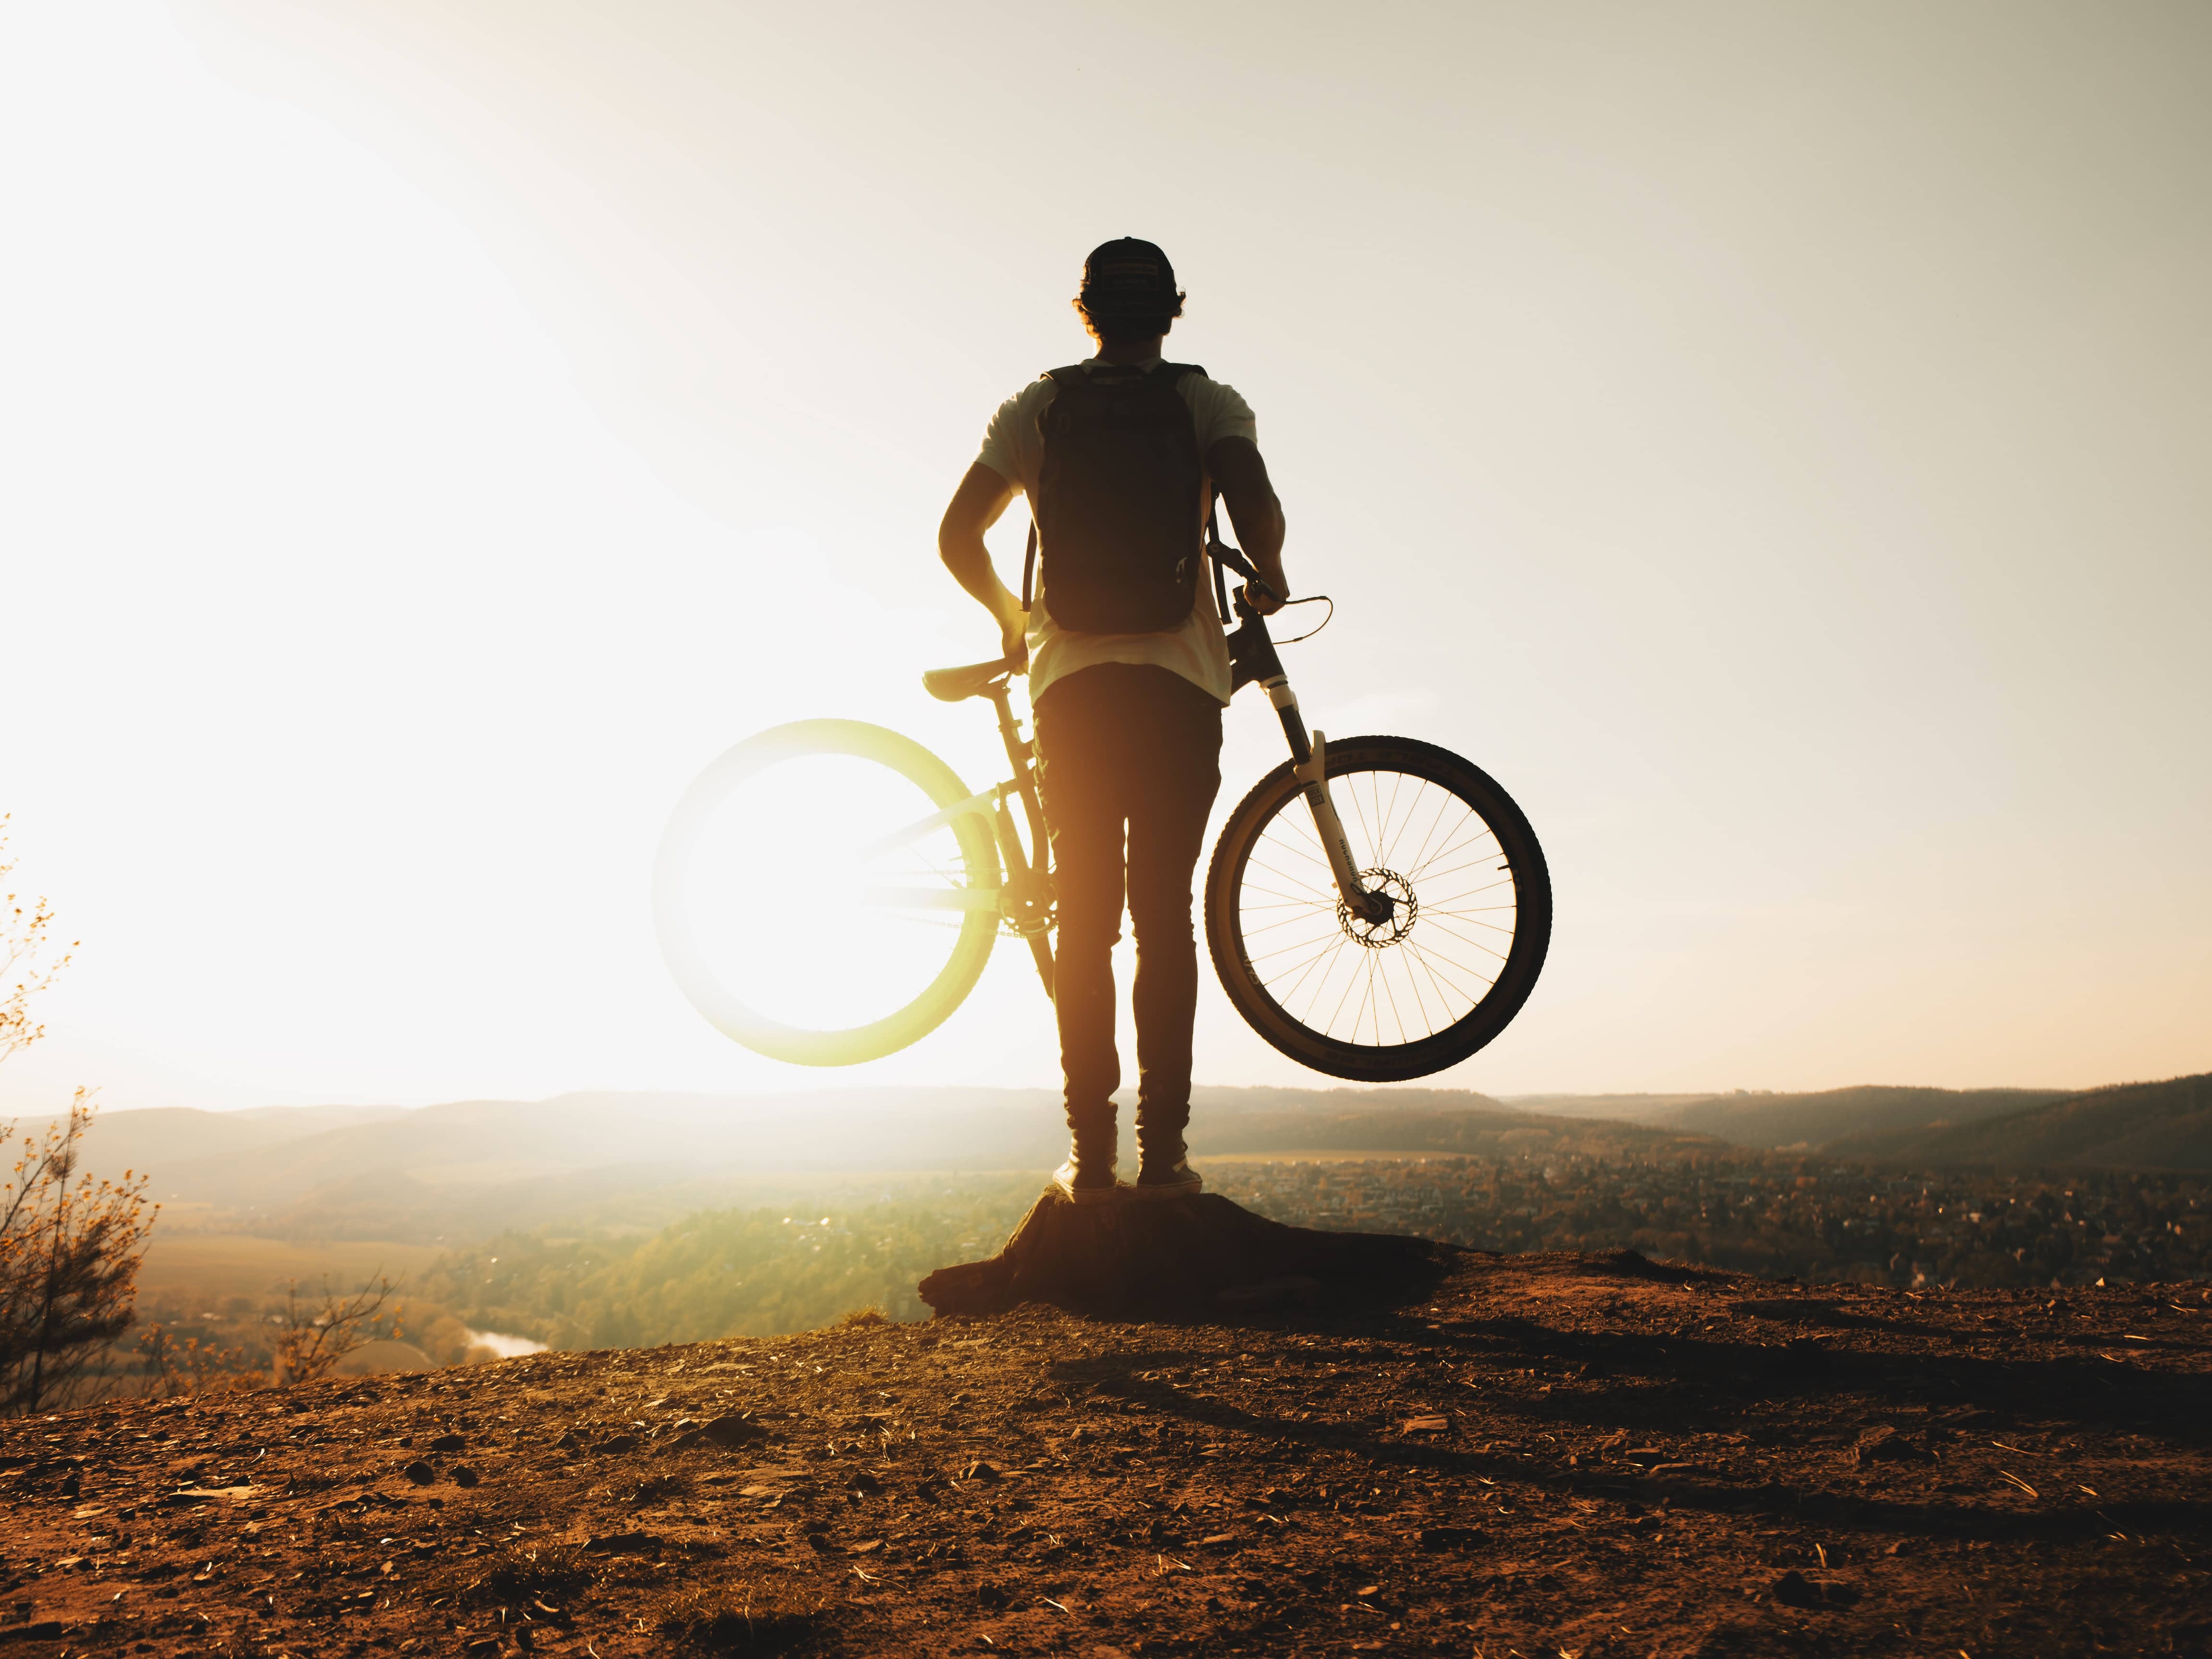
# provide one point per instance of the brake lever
(1244, 605)
(1235, 559)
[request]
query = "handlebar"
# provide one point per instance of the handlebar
(1244, 567)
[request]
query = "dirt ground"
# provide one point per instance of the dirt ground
(1541, 1456)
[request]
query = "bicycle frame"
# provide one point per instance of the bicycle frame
(1025, 897)
(1027, 900)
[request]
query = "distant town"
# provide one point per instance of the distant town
(756, 1272)
(1766, 1214)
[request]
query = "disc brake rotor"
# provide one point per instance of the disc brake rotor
(1381, 935)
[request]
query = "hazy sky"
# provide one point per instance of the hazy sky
(1771, 440)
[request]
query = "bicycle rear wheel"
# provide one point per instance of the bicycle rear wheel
(1471, 915)
(817, 901)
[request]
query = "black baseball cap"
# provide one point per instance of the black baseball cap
(1129, 278)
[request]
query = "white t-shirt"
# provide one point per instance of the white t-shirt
(1013, 448)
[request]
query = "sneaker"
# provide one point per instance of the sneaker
(1089, 1183)
(1176, 1180)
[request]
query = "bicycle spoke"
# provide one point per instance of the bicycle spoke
(1341, 1001)
(1420, 1001)
(1251, 933)
(1302, 949)
(1451, 849)
(1292, 898)
(1407, 980)
(1360, 813)
(1469, 997)
(1389, 840)
(1475, 944)
(1459, 916)
(1317, 867)
(1298, 821)
(1438, 818)
(1396, 1019)
(1443, 807)
(1447, 992)
(1476, 864)
(1324, 961)
(1287, 877)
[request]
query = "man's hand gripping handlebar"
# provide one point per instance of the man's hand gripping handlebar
(1256, 592)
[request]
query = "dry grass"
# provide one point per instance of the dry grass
(516, 1574)
(870, 1316)
(659, 1489)
(742, 1618)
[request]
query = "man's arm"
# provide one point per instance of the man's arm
(977, 505)
(1254, 511)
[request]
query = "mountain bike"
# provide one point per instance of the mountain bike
(828, 892)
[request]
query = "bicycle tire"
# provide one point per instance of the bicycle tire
(1233, 923)
(800, 1045)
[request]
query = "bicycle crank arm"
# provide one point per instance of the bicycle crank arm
(1368, 907)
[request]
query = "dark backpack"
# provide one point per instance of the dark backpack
(1118, 504)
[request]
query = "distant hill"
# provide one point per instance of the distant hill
(1814, 1119)
(1768, 1120)
(276, 1158)
(1621, 1109)
(1475, 1135)
(274, 1155)
(467, 1168)
(2131, 1126)
(159, 1137)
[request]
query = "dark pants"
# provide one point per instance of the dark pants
(1124, 749)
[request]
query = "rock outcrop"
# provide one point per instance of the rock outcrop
(1143, 1256)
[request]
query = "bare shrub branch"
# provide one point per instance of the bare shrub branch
(167, 1367)
(70, 1250)
(23, 975)
(314, 1335)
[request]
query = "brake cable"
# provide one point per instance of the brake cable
(1311, 599)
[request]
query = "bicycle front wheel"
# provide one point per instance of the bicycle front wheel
(827, 892)
(1378, 1002)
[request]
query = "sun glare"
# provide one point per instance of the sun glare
(818, 900)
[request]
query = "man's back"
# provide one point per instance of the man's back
(1129, 718)
(1014, 450)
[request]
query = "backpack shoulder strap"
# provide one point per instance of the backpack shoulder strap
(1071, 375)
(1221, 611)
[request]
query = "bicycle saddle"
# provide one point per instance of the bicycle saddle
(952, 684)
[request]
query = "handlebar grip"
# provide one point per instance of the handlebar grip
(1235, 559)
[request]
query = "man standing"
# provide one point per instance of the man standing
(1121, 456)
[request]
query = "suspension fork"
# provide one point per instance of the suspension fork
(1309, 766)
(1252, 657)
